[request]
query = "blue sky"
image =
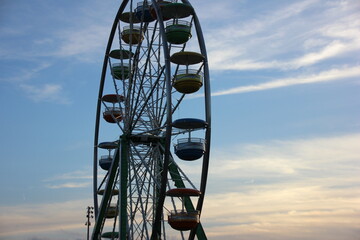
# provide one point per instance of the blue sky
(286, 133)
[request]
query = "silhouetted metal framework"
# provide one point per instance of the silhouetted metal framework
(137, 96)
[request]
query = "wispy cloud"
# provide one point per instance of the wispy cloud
(25, 74)
(283, 212)
(287, 38)
(84, 42)
(333, 49)
(341, 74)
(293, 155)
(320, 201)
(81, 31)
(81, 174)
(69, 185)
(74, 179)
(50, 220)
(46, 93)
(23, 79)
(285, 189)
(30, 48)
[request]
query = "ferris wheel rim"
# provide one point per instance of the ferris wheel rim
(169, 120)
(98, 108)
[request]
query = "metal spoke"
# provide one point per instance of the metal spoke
(144, 168)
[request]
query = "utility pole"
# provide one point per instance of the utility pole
(89, 214)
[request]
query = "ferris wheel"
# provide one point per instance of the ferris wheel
(149, 131)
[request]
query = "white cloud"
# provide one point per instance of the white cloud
(83, 42)
(50, 92)
(326, 76)
(320, 202)
(335, 48)
(72, 175)
(288, 157)
(69, 185)
(207, 10)
(81, 31)
(26, 74)
(45, 93)
(37, 219)
(282, 213)
(285, 39)
(74, 179)
(295, 189)
(86, 39)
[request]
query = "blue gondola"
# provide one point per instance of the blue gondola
(105, 162)
(142, 12)
(190, 149)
